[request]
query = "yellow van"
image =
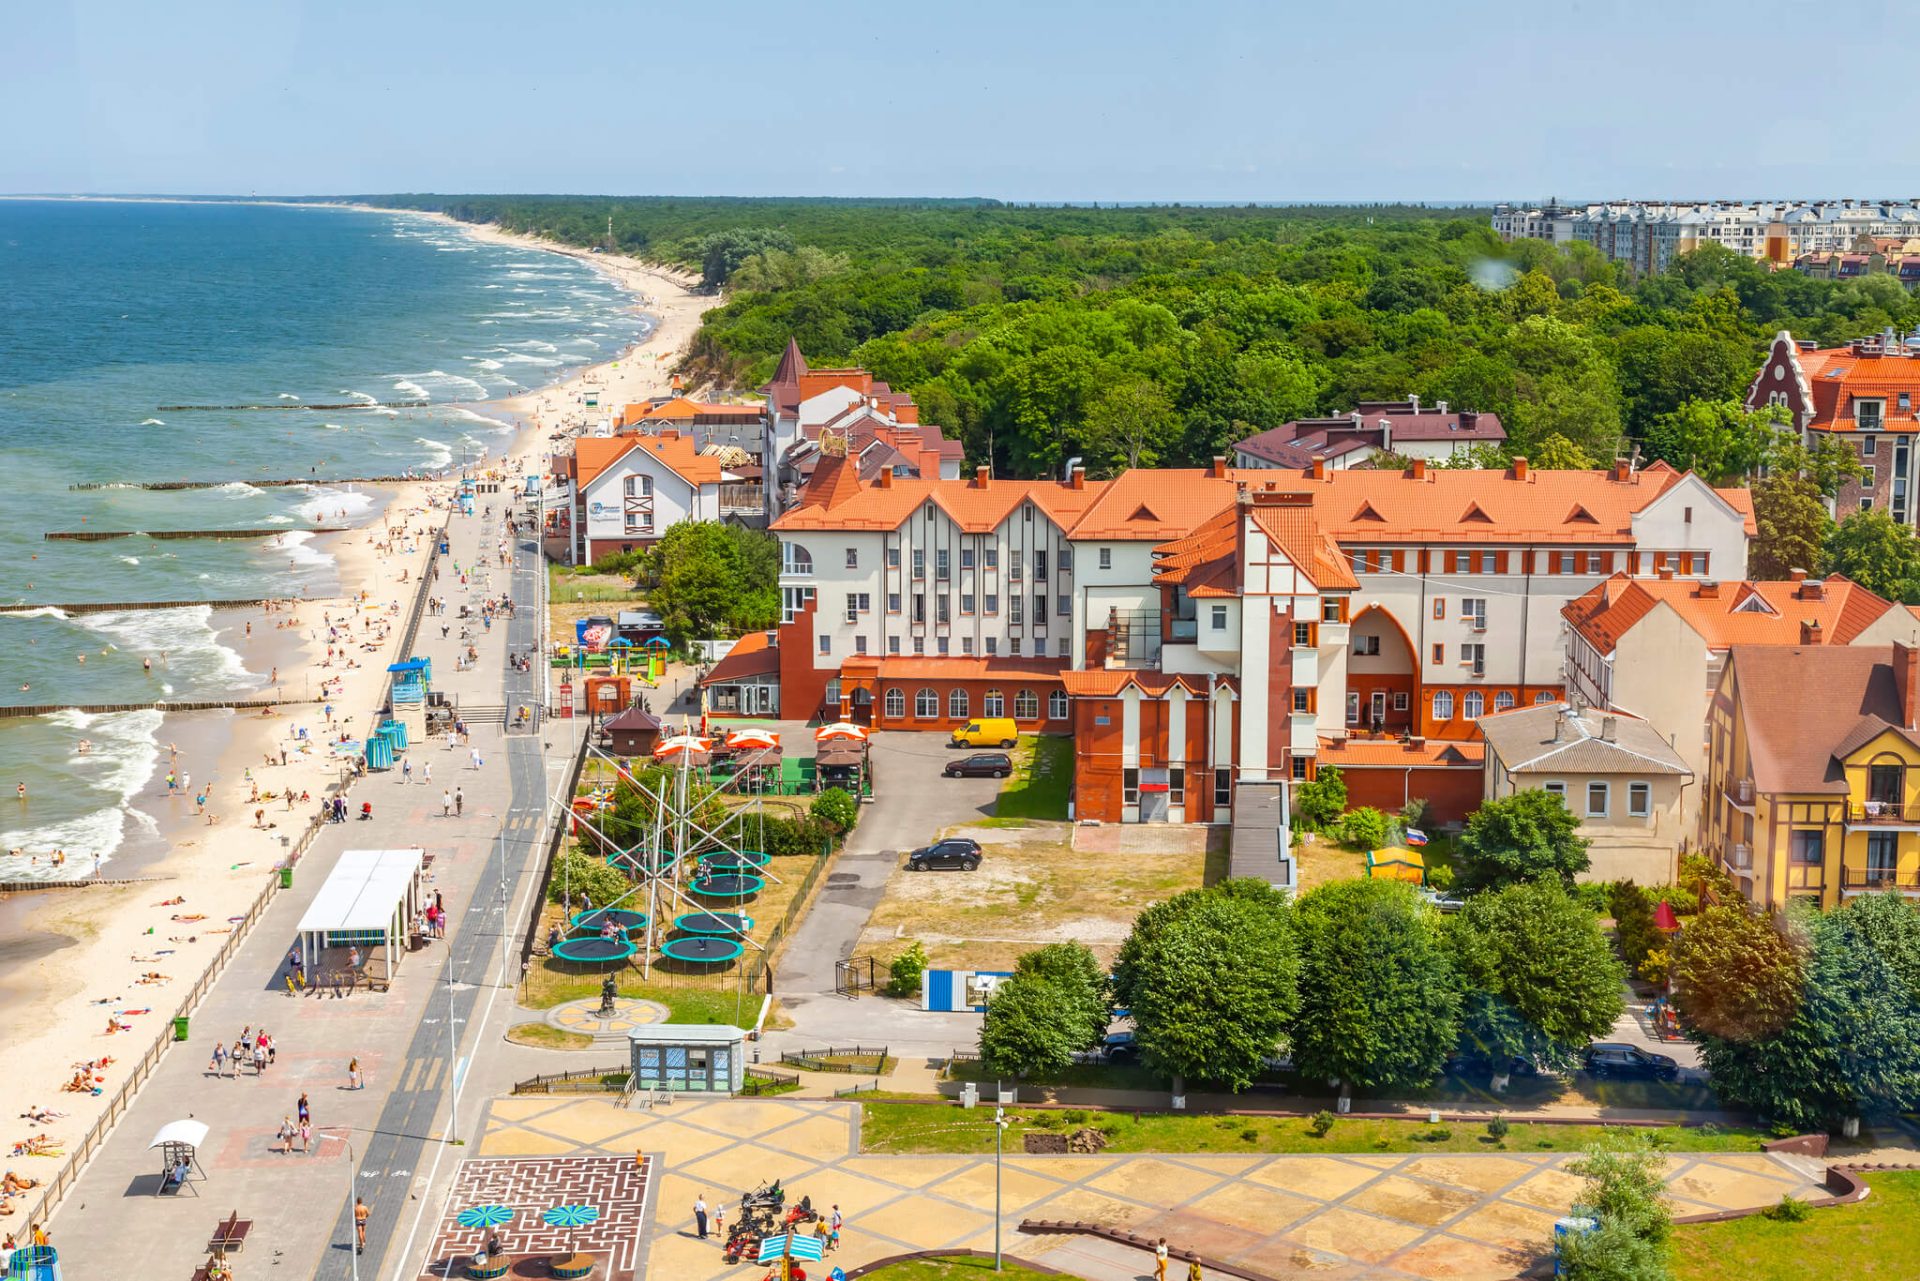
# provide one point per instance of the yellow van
(986, 731)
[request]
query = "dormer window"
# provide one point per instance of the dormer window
(1869, 414)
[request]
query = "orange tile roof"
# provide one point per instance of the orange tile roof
(1206, 562)
(751, 655)
(1360, 753)
(1747, 613)
(1836, 375)
(833, 504)
(1295, 531)
(1107, 683)
(594, 454)
(918, 667)
(1154, 505)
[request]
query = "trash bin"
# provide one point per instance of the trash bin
(180, 1027)
(286, 878)
(443, 547)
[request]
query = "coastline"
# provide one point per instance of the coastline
(79, 953)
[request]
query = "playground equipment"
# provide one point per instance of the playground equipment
(594, 950)
(702, 949)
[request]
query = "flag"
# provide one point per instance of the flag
(1416, 837)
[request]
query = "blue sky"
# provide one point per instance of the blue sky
(1034, 100)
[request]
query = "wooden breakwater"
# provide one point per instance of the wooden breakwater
(351, 404)
(102, 535)
(208, 705)
(121, 606)
(276, 483)
(80, 883)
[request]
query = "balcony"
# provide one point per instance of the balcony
(1740, 793)
(1871, 880)
(1882, 814)
(1740, 856)
(1183, 630)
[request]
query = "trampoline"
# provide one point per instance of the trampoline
(731, 885)
(713, 923)
(625, 917)
(642, 861)
(701, 950)
(733, 861)
(594, 951)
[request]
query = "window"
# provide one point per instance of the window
(1868, 413)
(1026, 705)
(1439, 655)
(919, 563)
(1544, 696)
(942, 607)
(1866, 478)
(966, 644)
(992, 703)
(858, 603)
(893, 602)
(1057, 705)
(993, 603)
(1443, 706)
(1367, 646)
(1106, 558)
(1475, 657)
(1014, 567)
(1302, 635)
(1473, 612)
(1013, 646)
(1303, 702)
(940, 645)
(1639, 799)
(1869, 446)
(1439, 606)
(1554, 787)
(1039, 567)
(893, 558)
(1063, 604)
(957, 704)
(1016, 608)
(1176, 785)
(966, 602)
(1353, 706)
(991, 557)
(893, 645)
(1129, 787)
(919, 607)
(639, 487)
(993, 645)
(826, 644)
(1062, 648)
(859, 644)
(926, 705)
(966, 558)
(795, 559)
(1567, 562)
(1066, 561)
(1597, 561)
(1222, 788)
(1474, 705)
(919, 645)
(927, 510)
(895, 703)
(1807, 847)
(1219, 617)
(940, 565)
(1400, 700)
(853, 558)
(1503, 700)
(1299, 768)
(1599, 795)
(1040, 610)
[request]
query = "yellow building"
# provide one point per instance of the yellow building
(1813, 772)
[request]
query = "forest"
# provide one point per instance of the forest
(1161, 335)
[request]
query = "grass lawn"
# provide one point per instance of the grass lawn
(1033, 887)
(959, 1268)
(548, 1037)
(1321, 860)
(913, 1127)
(572, 596)
(1869, 1241)
(1041, 783)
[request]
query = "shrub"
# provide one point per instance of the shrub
(1320, 1123)
(1435, 1134)
(903, 975)
(579, 873)
(1783, 1129)
(1440, 876)
(1250, 1136)
(1364, 828)
(1077, 1116)
(1498, 1127)
(834, 810)
(1592, 895)
(1787, 1211)
(1320, 803)
(1414, 812)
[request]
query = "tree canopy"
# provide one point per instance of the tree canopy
(706, 578)
(1536, 974)
(1877, 552)
(1528, 836)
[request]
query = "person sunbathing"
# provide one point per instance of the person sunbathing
(13, 1183)
(189, 916)
(175, 901)
(153, 976)
(38, 1145)
(41, 1115)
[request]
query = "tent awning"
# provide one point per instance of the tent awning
(363, 891)
(191, 1133)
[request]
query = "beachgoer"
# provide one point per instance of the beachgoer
(353, 1074)
(304, 1113)
(360, 1217)
(700, 1215)
(446, 803)
(459, 802)
(1160, 1260)
(218, 1066)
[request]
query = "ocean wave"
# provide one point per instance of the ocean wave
(387, 413)
(235, 489)
(125, 745)
(294, 543)
(531, 344)
(335, 426)
(92, 836)
(441, 456)
(128, 560)
(485, 363)
(187, 636)
(545, 362)
(287, 395)
(272, 520)
(151, 422)
(360, 396)
(444, 376)
(44, 611)
(327, 504)
(412, 389)
(471, 416)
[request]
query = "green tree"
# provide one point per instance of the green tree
(1878, 552)
(1210, 976)
(722, 252)
(904, 972)
(1537, 977)
(1557, 453)
(1528, 836)
(1320, 803)
(835, 810)
(1365, 828)
(1073, 968)
(1720, 439)
(576, 873)
(1131, 424)
(1626, 1192)
(1377, 999)
(1735, 976)
(1031, 1028)
(705, 577)
(1790, 525)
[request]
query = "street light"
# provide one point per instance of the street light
(999, 1129)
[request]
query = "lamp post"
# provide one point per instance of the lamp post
(999, 1129)
(453, 1062)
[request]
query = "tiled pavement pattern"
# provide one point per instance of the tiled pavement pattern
(531, 1185)
(1332, 1217)
(585, 1018)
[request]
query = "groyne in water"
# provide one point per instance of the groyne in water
(257, 484)
(208, 705)
(119, 606)
(351, 404)
(101, 535)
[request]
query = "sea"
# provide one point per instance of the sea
(109, 311)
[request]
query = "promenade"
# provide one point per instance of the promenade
(413, 1041)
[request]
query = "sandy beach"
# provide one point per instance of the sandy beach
(95, 972)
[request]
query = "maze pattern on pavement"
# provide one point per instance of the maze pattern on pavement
(531, 1185)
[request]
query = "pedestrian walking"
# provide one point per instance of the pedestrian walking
(406, 771)
(1160, 1260)
(259, 1060)
(833, 1242)
(1193, 1269)
(353, 1073)
(720, 1223)
(426, 772)
(459, 802)
(360, 1217)
(476, 758)
(273, 1048)
(218, 1066)
(306, 1138)
(286, 1134)
(446, 803)
(700, 1215)
(305, 1114)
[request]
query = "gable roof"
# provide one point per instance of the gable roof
(674, 451)
(841, 501)
(594, 454)
(1372, 423)
(751, 655)
(1723, 614)
(1548, 738)
(1799, 705)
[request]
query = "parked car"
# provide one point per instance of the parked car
(1439, 900)
(1476, 1063)
(1120, 1047)
(957, 852)
(986, 731)
(1617, 1058)
(980, 765)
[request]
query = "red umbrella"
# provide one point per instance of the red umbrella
(1663, 918)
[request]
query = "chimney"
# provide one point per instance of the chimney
(1414, 401)
(1810, 631)
(1559, 729)
(1622, 469)
(1812, 589)
(1419, 470)
(1666, 573)
(1319, 469)
(1519, 468)
(1609, 729)
(1469, 419)
(886, 478)
(981, 475)
(1906, 679)
(1218, 470)
(1707, 591)
(773, 640)
(1440, 405)
(1797, 575)
(1077, 479)
(1416, 743)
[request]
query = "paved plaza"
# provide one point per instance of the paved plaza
(615, 1186)
(1336, 1217)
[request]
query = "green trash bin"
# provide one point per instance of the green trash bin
(180, 1027)
(286, 878)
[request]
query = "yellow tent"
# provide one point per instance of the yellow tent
(1397, 863)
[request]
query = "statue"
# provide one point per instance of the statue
(608, 991)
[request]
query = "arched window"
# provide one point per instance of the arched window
(1443, 706)
(1544, 696)
(957, 704)
(1474, 705)
(926, 705)
(992, 703)
(1057, 705)
(1503, 700)
(796, 559)
(1026, 705)
(896, 703)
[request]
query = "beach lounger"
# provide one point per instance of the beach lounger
(230, 1237)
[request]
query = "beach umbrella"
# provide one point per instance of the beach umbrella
(571, 1217)
(791, 1244)
(691, 745)
(484, 1216)
(753, 740)
(839, 729)
(1663, 918)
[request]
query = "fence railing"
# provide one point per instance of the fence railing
(871, 1087)
(821, 1060)
(595, 1079)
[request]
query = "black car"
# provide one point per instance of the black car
(957, 852)
(1617, 1058)
(1477, 1063)
(980, 765)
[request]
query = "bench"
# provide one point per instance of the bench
(230, 1237)
(496, 1268)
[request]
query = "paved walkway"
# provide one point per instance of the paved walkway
(380, 1142)
(1463, 1216)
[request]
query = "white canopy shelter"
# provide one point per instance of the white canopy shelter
(369, 898)
(191, 1133)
